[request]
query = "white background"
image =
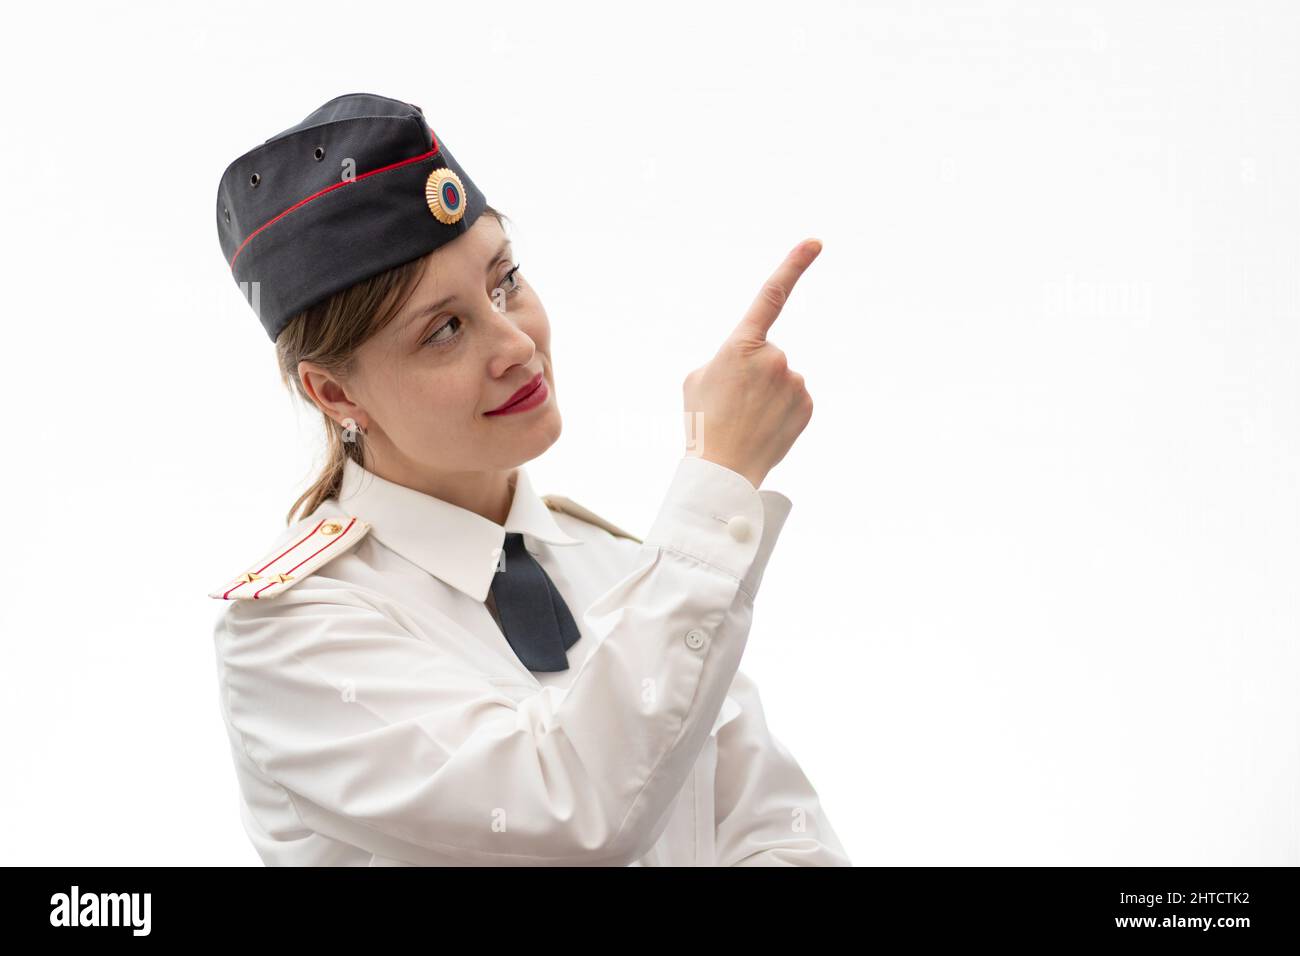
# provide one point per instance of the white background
(1036, 602)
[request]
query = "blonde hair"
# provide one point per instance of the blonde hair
(329, 334)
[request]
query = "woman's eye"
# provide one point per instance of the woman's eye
(510, 281)
(434, 340)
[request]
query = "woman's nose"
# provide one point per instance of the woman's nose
(511, 345)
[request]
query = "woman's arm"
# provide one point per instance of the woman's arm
(767, 813)
(386, 741)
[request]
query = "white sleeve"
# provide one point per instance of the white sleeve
(766, 811)
(384, 740)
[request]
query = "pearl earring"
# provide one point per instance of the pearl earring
(350, 430)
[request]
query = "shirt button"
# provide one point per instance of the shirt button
(740, 528)
(695, 638)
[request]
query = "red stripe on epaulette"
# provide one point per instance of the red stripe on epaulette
(300, 541)
(316, 195)
(337, 538)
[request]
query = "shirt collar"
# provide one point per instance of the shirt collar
(452, 543)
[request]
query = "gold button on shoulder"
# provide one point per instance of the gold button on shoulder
(296, 555)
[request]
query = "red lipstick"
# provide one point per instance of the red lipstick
(530, 396)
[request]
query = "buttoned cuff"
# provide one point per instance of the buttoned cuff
(715, 515)
(776, 508)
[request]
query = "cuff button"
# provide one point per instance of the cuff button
(740, 528)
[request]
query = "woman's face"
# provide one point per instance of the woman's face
(470, 336)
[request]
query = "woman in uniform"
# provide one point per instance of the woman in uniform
(403, 677)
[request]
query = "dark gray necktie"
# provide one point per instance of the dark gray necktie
(534, 618)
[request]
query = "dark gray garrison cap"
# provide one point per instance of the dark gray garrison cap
(359, 186)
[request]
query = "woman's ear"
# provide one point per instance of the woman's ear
(329, 394)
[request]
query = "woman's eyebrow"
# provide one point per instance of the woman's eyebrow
(501, 254)
(446, 299)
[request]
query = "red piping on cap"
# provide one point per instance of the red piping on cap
(345, 182)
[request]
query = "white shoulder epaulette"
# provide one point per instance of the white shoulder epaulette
(571, 507)
(310, 546)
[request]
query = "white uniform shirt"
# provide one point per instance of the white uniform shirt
(378, 716)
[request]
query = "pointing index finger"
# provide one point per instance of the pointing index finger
(767, 305)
